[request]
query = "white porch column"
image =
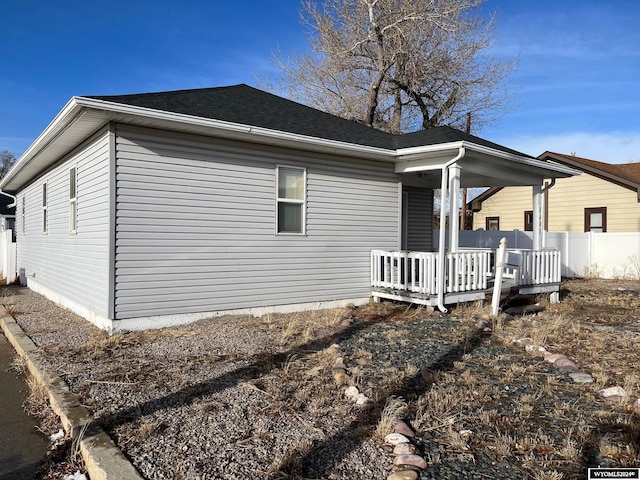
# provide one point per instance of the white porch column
(538, 217)
(454, 205)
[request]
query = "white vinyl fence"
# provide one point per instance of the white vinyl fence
(603, 255)
(7, 256)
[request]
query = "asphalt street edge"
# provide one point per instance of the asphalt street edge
(103, 459)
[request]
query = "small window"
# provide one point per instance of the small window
(73, 203)
(528, 221)
(493, 223)
(44, 208)
(595, 219)
(23, 215)
(291, 200)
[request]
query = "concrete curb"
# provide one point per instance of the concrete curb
(103, 459)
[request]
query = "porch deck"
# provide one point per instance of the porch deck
(469, 275)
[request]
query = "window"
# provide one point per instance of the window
(73, 203)
(291, 200)
(23, 215)
(493, 223)
(595, 219)
(528, 221)
(44, 208)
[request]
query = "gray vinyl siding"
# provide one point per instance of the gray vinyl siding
(195, 225)
(420, 219)
(74, 265)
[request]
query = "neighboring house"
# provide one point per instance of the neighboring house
(604, 198)
(147, 210)
(7, 214)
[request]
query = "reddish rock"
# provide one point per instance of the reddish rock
(552, 357)
(565, 362)
(483, 323)
(410, 459)
(345, 323)
(401, 427)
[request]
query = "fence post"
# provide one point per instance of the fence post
(566, 259)
(12, 260)
(499, 268)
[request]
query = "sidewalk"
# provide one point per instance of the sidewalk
(21, 445)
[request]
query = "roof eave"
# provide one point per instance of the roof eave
(105, 112)
(53, 131)
(422, 158)
(83, 116)
(590, 169)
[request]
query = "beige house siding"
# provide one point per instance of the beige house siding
(509, 205)
(566, 203)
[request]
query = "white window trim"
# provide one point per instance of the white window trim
(302, 202)
(45, 208)
(73, 202)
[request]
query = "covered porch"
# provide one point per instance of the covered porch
(469, 275)
(451, 274)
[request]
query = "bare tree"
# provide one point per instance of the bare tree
(7, 159)
(399, 65)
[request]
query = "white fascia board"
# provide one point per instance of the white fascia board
(427, 150)
(432, 157)
(268, 135)
(56, 128)
(531, 162)
(428, 157)
(76, 105)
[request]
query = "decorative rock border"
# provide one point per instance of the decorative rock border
(407, 460)
(342, 379)
(407, 463)
(565, 365)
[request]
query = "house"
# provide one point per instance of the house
(7, 214)
(154, 209)
(7, 238)
(604, 198)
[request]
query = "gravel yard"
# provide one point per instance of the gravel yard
(243, 397)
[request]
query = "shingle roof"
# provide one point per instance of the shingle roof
(626, 171)
(249, 106)
(624, 174)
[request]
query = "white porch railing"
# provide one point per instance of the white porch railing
(540, 267)
(465, 271)
(416, 271)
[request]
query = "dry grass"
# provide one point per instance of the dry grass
(395, 409)
(502, 406)
(11, 309)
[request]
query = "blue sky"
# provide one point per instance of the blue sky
(576, 82)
